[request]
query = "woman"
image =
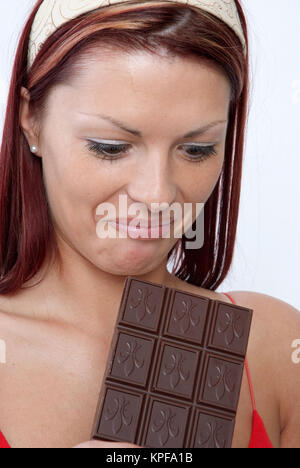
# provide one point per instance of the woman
(108, 104)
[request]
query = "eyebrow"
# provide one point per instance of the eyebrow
(138, 133)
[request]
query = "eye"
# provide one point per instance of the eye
(113, 152)
(199, 153)
(107, 151)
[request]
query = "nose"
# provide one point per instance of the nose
(152, 183)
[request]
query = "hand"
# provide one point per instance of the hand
(105, 444)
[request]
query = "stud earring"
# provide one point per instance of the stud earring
(34, 149)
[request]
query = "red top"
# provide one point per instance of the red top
(259, 435)
(3, 441)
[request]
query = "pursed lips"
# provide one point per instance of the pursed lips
(143, 223)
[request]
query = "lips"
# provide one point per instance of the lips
(140, 223)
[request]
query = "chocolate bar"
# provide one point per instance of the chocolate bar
(174, 371)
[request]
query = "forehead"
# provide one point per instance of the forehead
(141, 81)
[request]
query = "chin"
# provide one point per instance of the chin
(129, 268)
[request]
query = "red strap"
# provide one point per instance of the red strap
(250, 385)
(3, 441)
(259, 436)
(246, 365)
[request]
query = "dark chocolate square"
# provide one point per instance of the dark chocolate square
(167, 424)
(121, 411)
(132, 359)
(177, 369)
(222, 382)
(143, 305)
(213, 430)
(187, 317)
(230, 329)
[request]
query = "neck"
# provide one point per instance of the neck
(79, 293)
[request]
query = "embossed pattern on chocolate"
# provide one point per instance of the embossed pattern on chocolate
(174, 371)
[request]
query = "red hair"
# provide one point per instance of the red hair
(27, 236)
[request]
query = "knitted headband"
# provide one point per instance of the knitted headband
(54, 13)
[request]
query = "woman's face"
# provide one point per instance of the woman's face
(160, 100)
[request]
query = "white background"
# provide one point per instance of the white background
(267, 255)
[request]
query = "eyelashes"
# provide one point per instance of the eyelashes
(102, 150)
(112, 152)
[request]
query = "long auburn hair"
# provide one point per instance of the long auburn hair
(27, 236)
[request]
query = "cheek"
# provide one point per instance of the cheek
(203, 179)
(78, 178)
(76, 184)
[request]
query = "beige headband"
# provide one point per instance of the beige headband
(54, 13)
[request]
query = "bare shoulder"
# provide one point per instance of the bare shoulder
(269, 301)
(275, 337)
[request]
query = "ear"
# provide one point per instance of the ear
(28, 121)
